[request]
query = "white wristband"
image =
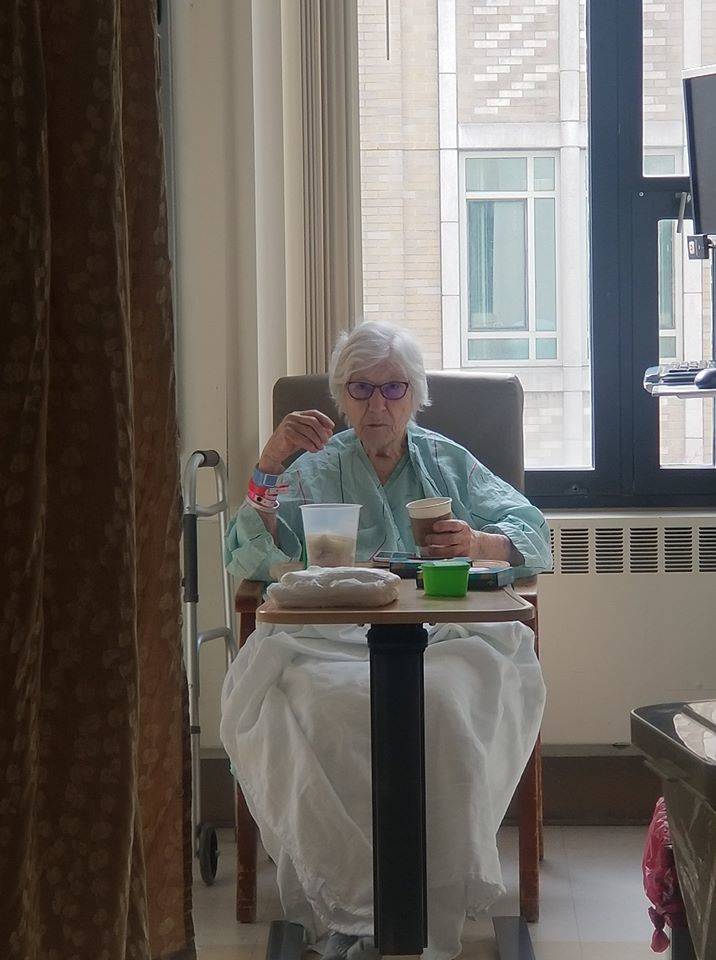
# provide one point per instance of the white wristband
(259, 507)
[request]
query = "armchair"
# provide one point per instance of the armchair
(483, 412)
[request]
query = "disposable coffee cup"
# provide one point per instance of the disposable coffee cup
(424, 514)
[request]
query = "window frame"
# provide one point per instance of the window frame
(625, 206)
(529, 195)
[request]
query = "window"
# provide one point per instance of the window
(473, 198)
(664, 164)
(648, 300)
(668, 271)
(521, 178)
(510, 260)
(683, 40)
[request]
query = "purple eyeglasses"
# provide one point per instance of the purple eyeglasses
(392, 390)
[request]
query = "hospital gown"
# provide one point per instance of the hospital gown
(434, 466)
(295, 704)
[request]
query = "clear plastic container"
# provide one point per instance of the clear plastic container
(331, 532)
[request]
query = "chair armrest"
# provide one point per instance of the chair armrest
(248, 596)
(526, 588)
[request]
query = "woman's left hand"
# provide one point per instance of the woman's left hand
(455, 538)
(451, 538)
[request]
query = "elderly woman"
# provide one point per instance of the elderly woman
(295, 706)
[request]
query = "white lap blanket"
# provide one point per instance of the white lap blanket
(296, 725)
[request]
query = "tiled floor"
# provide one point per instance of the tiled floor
(592, 904)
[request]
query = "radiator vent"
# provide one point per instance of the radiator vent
(678, 550)
(634, 544)
(609, 549)
(574, 550)
(552, 546)
(707, 549)
(643, 550)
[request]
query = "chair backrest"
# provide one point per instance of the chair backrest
(480, 411)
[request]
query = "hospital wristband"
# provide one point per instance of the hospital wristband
(262, 479)
(262, 497)
(261, 505)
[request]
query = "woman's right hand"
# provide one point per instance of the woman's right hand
(301, 430)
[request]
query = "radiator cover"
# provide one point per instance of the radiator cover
(638, 543)
(627, 618)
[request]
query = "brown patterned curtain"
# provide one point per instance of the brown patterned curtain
(95, 857)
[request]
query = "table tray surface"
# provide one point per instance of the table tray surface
(412, 606)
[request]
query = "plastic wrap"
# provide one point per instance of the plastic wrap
(692, 821)
(335, 587)
(661, 883)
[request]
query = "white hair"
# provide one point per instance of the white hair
(367, 345)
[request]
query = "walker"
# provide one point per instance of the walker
(203, 834)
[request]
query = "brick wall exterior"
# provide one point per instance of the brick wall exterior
(663, 45)
(508, 60)
(400, 188)
(583, 60)
(708, 31)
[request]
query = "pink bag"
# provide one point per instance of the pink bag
(661, 883)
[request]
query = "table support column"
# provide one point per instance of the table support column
(398, 763)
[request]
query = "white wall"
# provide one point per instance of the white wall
(237, 235)
(204, 283)
(612, 642)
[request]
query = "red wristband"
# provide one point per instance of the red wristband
(262, 498)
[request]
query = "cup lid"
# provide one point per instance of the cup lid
(447, 562)
(427, 503)
(334, 506)
(431, 507)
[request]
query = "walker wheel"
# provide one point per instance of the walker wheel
(208, 853)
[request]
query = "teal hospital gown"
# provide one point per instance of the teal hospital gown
(433, 466)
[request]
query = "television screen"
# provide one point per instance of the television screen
(700, 109)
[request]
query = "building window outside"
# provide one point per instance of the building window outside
(668, 272)
(662, 164)
(509, 252)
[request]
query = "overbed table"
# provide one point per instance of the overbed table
(397, 640)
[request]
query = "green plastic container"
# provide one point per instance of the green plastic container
(445, 578)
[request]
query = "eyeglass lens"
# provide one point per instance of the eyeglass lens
(393, 390)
